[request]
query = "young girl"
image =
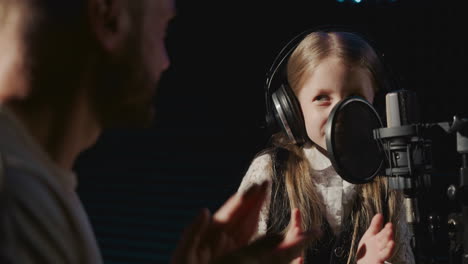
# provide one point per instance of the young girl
(323, 69)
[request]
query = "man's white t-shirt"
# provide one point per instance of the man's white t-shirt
(42, 218)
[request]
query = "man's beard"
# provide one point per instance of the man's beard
(124, 97)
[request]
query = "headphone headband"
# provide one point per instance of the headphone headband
(286, 112)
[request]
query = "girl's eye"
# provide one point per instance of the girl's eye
(321, 98)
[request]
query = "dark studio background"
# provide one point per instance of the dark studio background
(141, 187)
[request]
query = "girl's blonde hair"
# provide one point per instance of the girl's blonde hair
(371, 198)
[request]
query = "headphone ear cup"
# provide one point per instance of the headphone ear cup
(288, 113)
(272, 121)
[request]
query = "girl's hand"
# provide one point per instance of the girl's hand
(376, 245)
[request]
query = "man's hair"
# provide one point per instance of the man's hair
(54, 28)
(59, 43)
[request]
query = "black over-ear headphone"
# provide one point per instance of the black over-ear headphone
(283, 111)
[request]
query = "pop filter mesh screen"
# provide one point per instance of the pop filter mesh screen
(355, 150)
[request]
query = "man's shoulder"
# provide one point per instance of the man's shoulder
(29, 195)
(26, 181)
(37, 209)
(29, 210)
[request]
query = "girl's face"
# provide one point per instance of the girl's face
(330, 82)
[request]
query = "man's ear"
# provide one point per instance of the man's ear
(110, 22)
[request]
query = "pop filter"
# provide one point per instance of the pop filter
(354, 153)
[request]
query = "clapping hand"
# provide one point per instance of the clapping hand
(224, 237)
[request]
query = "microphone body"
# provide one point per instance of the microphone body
(408, 154)
(408, 162)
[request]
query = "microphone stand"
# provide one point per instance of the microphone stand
(458, 221)
(408, 170)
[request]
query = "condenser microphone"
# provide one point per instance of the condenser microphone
(404, 151)
(408, 156)
(401, 108)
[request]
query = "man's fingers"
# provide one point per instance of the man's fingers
(229, 207)
(291, 234)
(265, 244)
(188, 245)
(246, 224)
(239, 202)
(213, 240)
(203, 255)
(198, 227)
(269, 249)
(296, 220)
(239, 216)
(237, 220)
(257, 252)
(295, 225)
(287, 251)
(230, 245)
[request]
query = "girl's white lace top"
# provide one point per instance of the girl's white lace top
(337, 194)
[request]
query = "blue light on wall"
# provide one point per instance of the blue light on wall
(366, 1)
